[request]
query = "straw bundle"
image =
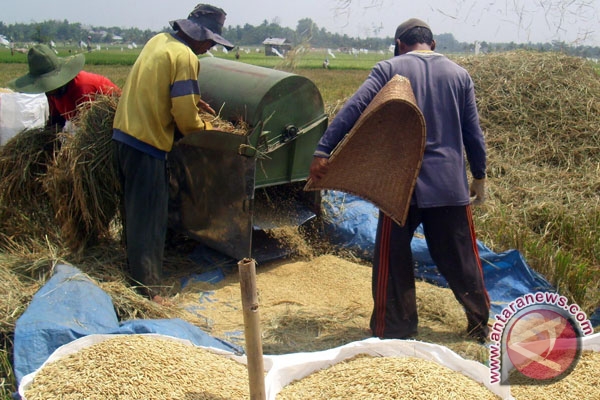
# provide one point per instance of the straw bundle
(141, 367)
(23, 163)
(82, 182)
(24, 207)
(366, 377)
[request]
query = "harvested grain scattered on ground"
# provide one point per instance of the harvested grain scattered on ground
(320, 303)
(367, 377)
(141, 367)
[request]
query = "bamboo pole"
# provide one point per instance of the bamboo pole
(254, 352)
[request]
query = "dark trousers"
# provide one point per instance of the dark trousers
(145, 211)
(451, 241)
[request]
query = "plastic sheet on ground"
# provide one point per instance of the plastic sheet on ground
(70, 306)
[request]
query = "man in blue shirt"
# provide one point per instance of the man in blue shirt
(442, 198)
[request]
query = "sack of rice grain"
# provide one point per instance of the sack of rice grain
(583, 382)
(138, 366)
(349, 372)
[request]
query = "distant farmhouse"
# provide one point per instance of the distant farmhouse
(276, 46)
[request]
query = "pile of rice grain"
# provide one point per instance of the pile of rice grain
(366, 377)
(582, 383)
(141, 367)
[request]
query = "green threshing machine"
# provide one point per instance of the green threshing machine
(226, 187)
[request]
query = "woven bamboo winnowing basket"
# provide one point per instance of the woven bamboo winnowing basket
(380, 158)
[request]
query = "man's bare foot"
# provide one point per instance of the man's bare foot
(161, 300)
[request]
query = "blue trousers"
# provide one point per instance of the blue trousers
(144, 183)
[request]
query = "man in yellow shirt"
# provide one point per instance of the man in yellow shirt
(161, 95)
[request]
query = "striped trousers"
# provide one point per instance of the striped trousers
(451, 241)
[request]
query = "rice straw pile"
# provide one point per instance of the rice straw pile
(25, 210)
(141, 367)
(541, 117)
(82, 182)
(366, 377)
(582, 383)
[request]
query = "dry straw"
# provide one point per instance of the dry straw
(239, 128)
(25, 210)
(540, 114)
(82, 182)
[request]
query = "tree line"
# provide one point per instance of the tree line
(306, 33)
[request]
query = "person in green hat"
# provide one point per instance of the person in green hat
(63, 81)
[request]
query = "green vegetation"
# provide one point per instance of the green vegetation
(308, 58)
(306, 32)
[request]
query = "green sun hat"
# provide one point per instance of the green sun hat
(47, 71)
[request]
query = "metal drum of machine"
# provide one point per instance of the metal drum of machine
(226, 186)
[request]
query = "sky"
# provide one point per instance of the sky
(520, 21)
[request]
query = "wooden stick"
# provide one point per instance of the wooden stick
(254, 352)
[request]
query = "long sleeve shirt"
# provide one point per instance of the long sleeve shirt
(161, 93)
(79, 90)
(445, 94)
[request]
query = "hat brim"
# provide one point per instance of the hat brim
(380, 158)
(68, 70)
(200, 33)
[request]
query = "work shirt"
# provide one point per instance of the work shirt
(445, 93)
(161, 93)
(79, 90)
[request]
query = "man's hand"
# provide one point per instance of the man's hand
(204, 106)
(318, 168)
(477, 191)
